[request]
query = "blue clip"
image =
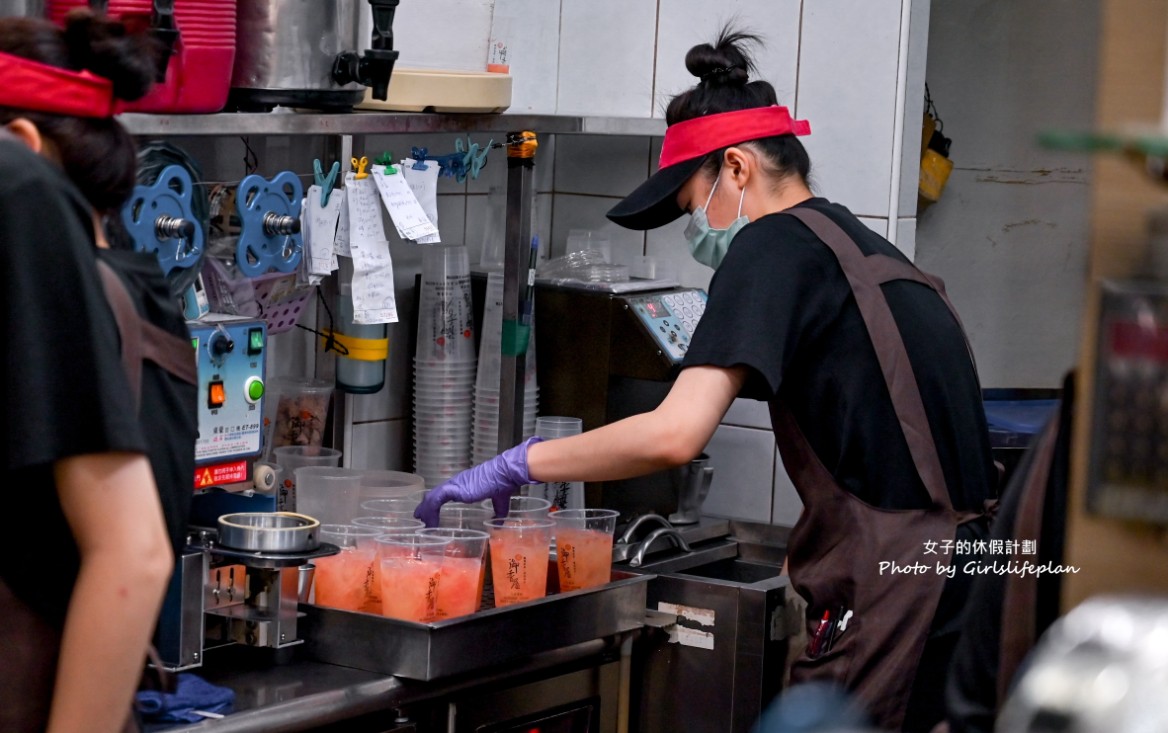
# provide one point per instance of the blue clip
(472, 161)
(326, 183)
(420, 156)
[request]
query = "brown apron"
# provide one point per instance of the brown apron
(837, 545)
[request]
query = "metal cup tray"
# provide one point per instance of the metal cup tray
(483, 639)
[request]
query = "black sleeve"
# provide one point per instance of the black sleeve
(768, 294)
(67, 392)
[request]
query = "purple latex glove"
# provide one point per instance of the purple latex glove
(498, 480)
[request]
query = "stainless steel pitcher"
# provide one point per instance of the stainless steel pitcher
(692, 482)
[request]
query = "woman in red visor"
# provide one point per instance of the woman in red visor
(88, 555)
(873, 393)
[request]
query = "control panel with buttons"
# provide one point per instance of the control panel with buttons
(231, 352)
(670, 317)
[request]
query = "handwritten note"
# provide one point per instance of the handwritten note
(320, 230)
(373, 294)
(341, 241)
(424, 184)
(407, 214)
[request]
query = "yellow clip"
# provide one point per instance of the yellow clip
(360, 164)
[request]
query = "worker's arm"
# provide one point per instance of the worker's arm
(112, 507)
(671, 435)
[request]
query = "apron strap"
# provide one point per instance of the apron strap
(902, 384)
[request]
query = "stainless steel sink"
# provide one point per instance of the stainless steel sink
(723, 659)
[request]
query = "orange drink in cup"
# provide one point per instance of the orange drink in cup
(584, 547)
(519, 558)
(411, 573)
(345, 580)
(462, 570)
(384, 525)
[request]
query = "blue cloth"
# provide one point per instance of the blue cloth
(192, 693)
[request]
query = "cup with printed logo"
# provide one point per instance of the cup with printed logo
(584, 546)
(292, 457)
(562, 494)
(463, 572)
(346, 580)
(519, 558)
(411, 576)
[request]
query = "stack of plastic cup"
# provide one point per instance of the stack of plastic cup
(561, 494)
(444, 366)
(485, 441)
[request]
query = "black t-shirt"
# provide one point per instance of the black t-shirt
(66, 393)
(780, 305)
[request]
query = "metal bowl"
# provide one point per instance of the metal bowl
(282, 532)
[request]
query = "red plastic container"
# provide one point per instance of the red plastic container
(199, 75)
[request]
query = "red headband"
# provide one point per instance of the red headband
(30, 85)
(702, 135)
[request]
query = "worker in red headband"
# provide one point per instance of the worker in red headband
(872, 389)
(90, 487)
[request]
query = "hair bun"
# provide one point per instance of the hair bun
(106, 48)
(725, 61)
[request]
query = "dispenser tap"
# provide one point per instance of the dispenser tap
(374, 68)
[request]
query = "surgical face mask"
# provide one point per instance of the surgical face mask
(708, 245)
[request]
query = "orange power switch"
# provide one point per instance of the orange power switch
(216, 395)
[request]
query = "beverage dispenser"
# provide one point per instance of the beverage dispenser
(603, 356)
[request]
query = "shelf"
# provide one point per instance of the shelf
(380, 123)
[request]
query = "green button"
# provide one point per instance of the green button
(255, 390)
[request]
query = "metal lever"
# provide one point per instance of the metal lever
(627, 536)
(276, 225)
(668, 532)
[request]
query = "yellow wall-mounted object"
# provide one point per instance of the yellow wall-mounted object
(359, 348)
(935, 170)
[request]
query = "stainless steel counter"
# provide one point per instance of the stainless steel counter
(302, 695)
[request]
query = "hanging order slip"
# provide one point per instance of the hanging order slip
(320, 230)
(423, 181)
(408, 216)
(373, 297)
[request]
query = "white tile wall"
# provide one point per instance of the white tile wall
(667, 244)
(377, 446)
(534, 29)
(601, 165)
(748, 414)
(683, 24)
(483, 219)
(588, 212)
(606, 57)
(787, 504)
(421, 31)
(906, 237)
(914, 106)
(743, 461)
(847, 89)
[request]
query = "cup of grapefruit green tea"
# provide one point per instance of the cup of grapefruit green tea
(463, 573)
(345, 580)
(411, 572)
(584, 547)
(519, 558)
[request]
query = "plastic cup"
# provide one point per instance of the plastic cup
(562, 494)
(331, 495)
(301, 409)
(519, 558)
(584, 546)
(462, 516)
(463, 571)
(399, 508)
(445, 317)
(292, 457)
(389, 524)
(347, 580)
(411, 573)
(388, 484)
(523, 507)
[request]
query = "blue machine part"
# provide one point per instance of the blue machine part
(160, 219)
(670, 317)
(269, 215)
(231, 353)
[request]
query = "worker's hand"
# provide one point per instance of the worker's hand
(497, 479)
